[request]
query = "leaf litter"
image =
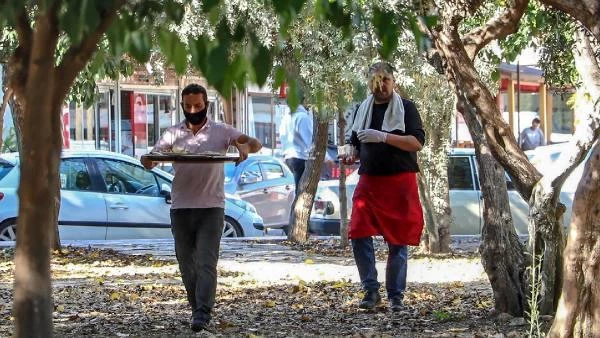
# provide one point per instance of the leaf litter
(137, 295)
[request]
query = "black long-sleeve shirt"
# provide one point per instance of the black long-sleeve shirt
(381, 159)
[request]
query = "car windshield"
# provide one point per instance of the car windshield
(229, 171)
(5, 168)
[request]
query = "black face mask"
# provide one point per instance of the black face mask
(195, 118)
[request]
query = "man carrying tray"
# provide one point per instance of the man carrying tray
(198, 197)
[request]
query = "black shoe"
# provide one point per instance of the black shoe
(199, 324)
(371, 299)
(396, 304)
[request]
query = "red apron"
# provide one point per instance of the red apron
(388, 206)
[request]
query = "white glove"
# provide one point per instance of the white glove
(371, 136)
(346, 150)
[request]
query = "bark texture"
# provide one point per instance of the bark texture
(430, 240)
(434, 99)
(39, 125)
(502, 255)
(458, 54)
(578, 313)
(342, 186)
(39, 169)
(5, 99)
(303, 202)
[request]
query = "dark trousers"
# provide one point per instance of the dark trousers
(197, 234)
(395, 272)
(297, 167)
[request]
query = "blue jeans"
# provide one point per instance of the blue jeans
(297, 167)
(395, 274)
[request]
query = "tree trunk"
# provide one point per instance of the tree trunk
(430, 240)
(7, 94)
(342, 186)
(578, 313)
(546, 242)
(5, 99)
(543, 214)
(40, 158)
(303, 202)
(502, 255)
(435, 194)
(17, 110)
(433, 96)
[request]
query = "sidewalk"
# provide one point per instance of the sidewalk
(266, 259)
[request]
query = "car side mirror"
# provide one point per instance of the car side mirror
(248, 179)
(167, 195)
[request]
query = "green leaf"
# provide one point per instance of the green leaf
(237, 72)
(208, 5)
(279, 76)
(175, 11)
(430, 20)
(199, 50)
(293, 95)
(9, 11)
(140, 44)
(173, 49)
(218, 62)
(117, 36)
(263, 63)
(387, 30)
(287, 10)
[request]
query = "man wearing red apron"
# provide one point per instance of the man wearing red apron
(386, 134)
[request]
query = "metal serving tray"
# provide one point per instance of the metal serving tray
(177, 157)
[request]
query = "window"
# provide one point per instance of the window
(229, 171)
(163, 184)
(459, 173)
(5, 167)
(126, 178)
(74, 175)
(272, 171)
(253, 173)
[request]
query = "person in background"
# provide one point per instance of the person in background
(386, 134)
(198, 197)
(532, 137)
(296, 140)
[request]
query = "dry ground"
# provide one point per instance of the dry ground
(105, 293)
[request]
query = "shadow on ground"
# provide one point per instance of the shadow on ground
(105, 293)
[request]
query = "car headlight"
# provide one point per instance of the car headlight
(243, 205)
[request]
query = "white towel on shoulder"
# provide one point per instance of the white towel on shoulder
(392, 120)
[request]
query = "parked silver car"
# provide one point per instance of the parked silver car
(465, 199)
(107, 195)
(265, 182)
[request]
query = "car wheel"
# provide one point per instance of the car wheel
(8, 230)
(232, 228)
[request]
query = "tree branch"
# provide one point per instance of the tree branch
(18, 73)
(585, 11)
(588, 130)
(78, 56)
(496, 28)
(24, 30)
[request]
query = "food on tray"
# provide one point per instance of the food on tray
(204, 153)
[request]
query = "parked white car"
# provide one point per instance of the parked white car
(465, 199)
(107, 196)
